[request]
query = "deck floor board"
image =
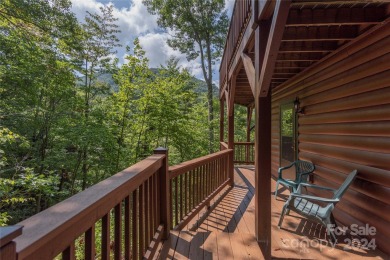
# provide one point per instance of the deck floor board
(227, 230)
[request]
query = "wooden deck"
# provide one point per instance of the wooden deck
(226, 231)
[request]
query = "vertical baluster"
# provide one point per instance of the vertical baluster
(197, 186)
(146, 216)
(172, 184)
(154, 201)
(106, 237)
(69, 252)
(118, 232)
(141, 221)
(89, 248)
(185, 193)
(181, 196)
(134, 240)
(191, 185)
(150, 204)
(205, 180)
(127, 227)
(176, 201)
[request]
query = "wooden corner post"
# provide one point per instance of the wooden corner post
(164, 193)
(7, 246)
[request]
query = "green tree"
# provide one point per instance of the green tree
(199, 29)
(93, 56)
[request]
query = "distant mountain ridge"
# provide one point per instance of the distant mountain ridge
(201, 86)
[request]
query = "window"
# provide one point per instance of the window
(287, 134)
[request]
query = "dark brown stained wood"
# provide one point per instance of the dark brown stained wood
(127, 230)
(8, 251)
(141, 200)
(357, 68)
(365, 78)
(373, 35)
(376, 160)
(274, 39)
(118, 232)
(368, 173)
(250, 71)
(372, 144)
(374, 207)
(345, 126)
(8, 233)
(371, 190)
(69, 252)
(165, 209)
(326, 33)
(335, 16)
(363, 100)
(181, 168)
(357, 129)
(106, 237)
(263, 174)
(7, 246)
(61, 222)
(221, 120)
(135, 238)
(89, 246)
(371, 114)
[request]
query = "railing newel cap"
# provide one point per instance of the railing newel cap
(8, 233)
(160, 150)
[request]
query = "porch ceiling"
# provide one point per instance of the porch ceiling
(314, 29)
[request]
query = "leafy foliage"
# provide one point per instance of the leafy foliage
(63, 128)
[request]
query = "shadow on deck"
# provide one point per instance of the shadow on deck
(227, 231)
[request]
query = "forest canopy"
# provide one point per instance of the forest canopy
(71, 115)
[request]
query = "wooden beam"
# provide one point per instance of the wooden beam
(250, 71)
(227, 101)
(274, 39)
(313, 34)
(335, 16)
(232, 91)
(221, 120)
(263, 173)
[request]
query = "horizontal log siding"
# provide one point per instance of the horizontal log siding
(346, 126)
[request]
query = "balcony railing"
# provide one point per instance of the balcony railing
(244, 152)
(240, 19)
(124, 216)
(196, 182)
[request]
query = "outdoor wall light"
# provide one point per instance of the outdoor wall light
(297, 107)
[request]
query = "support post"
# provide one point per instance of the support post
(164, 193)
(231, 146)
(221, 120)
(263, 174)
(7, 246)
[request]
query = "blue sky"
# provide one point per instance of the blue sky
(134, 21)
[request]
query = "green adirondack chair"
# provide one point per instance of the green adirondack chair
(302, 171)
(301, 204)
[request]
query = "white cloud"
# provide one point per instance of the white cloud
(135, 21)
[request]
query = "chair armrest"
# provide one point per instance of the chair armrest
(309, 197)
(284, 168)
(316, 187)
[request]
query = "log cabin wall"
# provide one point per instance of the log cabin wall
(346, 126)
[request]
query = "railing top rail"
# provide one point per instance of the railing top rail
(179, 169)
(67, 220)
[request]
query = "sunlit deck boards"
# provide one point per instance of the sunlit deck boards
(227, 231)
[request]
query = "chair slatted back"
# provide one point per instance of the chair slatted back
(301, 170)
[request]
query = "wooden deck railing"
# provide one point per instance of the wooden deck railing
(134, 203)
(124, 216)
(240, 19)
(196, 182)
(244, 153)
